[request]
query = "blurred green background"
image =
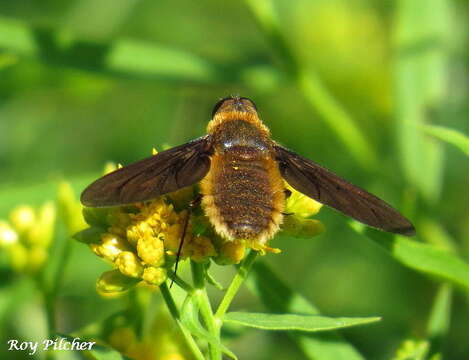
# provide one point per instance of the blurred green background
(350, 84)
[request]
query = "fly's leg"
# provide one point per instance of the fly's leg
(192, 205)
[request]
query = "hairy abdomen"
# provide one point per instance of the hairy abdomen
(243, 196)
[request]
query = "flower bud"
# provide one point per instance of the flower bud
(151, 250)
(23, 218)
(301, 205)
(109, 167)
(231, 252)
(138, 231)
(154, 276)
(112, 282)
(111, 246)
(8, 236)
(129, 264)
(42, 231)
(201, 248)
(172, 238)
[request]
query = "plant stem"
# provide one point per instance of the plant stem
(206, 312)
(183, 285)
(238, 280)
(168, 299)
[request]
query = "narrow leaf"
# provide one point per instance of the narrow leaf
(421, 257)
(310, 323)
(279, 298)
(91, 235)
(451, 136)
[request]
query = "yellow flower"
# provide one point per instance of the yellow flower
(28, 236)
(23, 218)
(300, 205)
(135, 240)
(129, 264)
(42, 231)
(154, 276)
(201, 248)
(111, 246)
(231, 252)
(151, 250)
(8, 236)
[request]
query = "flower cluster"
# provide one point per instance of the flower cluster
(142, 240)
(26, 237)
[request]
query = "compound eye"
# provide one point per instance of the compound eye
(250, 101)
(219, 104)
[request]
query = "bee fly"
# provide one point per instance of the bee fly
(241, 171)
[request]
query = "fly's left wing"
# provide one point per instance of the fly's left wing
(149, 178)
(324, 186)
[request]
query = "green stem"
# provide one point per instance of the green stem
(238, 280)
(173, 310)
(183, 285)
(206, 312)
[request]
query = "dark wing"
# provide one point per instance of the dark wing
(322, 185)
(149, 178)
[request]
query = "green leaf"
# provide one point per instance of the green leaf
(451, 136)
(190, 320)
(310, 323)
(421, 257)
(91, 235)
(279, 298)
